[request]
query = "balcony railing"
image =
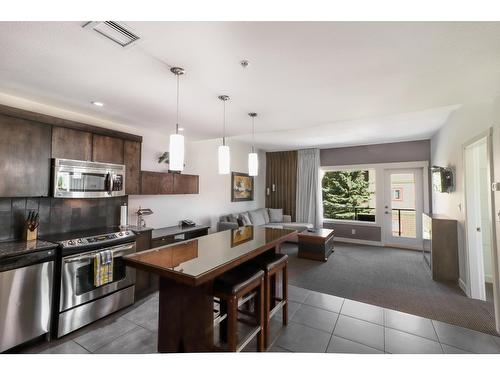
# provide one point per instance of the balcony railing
(409, 219)
(350, 213)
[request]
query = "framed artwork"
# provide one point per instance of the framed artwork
(241, 187)
(241, 235)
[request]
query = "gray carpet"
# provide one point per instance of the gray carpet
(392, 278)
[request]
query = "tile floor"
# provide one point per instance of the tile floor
(318, 323)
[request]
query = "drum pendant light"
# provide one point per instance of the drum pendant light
(224, 154)
(176, 148)
(253, 158)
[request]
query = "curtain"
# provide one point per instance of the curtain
(309, 207)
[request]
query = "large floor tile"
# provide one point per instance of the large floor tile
(341, 345)
(101, 336)
(398, 342)
(452, 350)
(137, 341)
(292, 309)
(316, 318)
(278, 349)
(324, 301)
(363, 311)
(413, 324)
(360, 331)
(69, 347)
(145, 315)
(299, 338)
(466, 339)
(297, 294)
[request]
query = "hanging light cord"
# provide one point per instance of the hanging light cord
(253, 134)
(224, 126)
(177, 118)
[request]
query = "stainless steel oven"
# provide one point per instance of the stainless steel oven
(81, 302)
(84, 179)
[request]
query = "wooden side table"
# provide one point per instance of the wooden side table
(317, 245)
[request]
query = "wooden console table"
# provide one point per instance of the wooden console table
(317, 245)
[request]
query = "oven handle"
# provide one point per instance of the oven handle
(116, 253)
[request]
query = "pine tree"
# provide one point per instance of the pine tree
(343, 191)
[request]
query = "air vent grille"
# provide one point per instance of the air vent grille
(114, 31)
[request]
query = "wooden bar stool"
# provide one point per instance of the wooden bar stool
(234, 288)
(271, 264)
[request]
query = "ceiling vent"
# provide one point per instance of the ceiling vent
(117, 32)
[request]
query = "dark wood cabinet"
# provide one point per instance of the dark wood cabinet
(186, 184)
(107, 149)
(153, 183)
(24, 158)
(71, 144)
(132, 160)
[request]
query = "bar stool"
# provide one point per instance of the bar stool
(229, 289)
(271, 264)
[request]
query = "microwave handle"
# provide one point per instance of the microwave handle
(109, 183)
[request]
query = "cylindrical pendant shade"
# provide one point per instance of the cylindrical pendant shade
(253, 164)
(176, 152)
(224, 160)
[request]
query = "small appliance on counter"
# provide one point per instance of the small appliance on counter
(140, 213)
(124, 215)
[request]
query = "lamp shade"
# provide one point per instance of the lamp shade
(176, 152)
(253, 164)
(224, 160)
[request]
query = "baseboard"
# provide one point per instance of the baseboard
(462, 286)
(358, 241)
(404, 247)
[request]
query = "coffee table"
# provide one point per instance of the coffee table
(317, 245)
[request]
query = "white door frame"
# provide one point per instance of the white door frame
(403, 242)
(488, 134)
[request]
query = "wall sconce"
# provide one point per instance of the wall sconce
(267, 191)
(274, 187)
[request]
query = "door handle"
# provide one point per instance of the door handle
(478, 229)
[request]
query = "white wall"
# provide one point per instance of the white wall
(215, 190)
(467, 122)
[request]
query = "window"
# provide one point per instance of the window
(349, 195)
(397, 194)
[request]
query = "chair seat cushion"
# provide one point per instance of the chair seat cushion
(237, 279)
(268, 262)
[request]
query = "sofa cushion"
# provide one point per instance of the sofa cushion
(298, 226)
(257, 217)
(265, 213)
(232, 219)
(245, 218)
(275, 215)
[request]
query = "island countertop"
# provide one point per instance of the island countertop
(196, 261)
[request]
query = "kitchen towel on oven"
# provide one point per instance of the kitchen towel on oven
(103, 268)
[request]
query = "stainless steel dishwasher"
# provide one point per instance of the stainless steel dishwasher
(25, 297)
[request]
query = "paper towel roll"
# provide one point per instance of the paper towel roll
(124, 215)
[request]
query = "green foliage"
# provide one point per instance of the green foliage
(343, 191)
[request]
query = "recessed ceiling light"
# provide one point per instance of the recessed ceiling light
(98, 104)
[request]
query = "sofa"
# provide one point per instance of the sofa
(266, 217)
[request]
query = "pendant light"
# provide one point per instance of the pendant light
(176, 148)
(253, 158)
(224, 156)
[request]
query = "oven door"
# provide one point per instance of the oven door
(77, 276)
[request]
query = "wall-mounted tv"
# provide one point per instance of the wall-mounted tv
(442, 179)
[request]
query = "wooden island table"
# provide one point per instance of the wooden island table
(187, 271)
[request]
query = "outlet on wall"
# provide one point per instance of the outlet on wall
(353, 231)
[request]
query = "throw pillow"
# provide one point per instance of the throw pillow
(257, 217)
(240, 222)
(232, 219)
(245, 218)
(276, 215)
(265, 213)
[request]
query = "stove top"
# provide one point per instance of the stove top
(93, 238)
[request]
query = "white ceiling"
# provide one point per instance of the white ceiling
(312, 83)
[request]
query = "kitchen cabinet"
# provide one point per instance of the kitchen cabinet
(24, 158)
(132, 160)
(107, 149)
(154, 183)
(71, 144)
(186, 184)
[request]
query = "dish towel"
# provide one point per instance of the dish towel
(103, 268)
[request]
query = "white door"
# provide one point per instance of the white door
(478, 216)
(403, 208)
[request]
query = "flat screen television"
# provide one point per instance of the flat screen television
(442, 179)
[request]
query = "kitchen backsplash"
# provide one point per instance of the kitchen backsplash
(58, 215)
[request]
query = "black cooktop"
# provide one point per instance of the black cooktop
(59, 237)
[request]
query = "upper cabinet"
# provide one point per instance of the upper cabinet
(107, 149)
(154, 183)
(132, 159)
(186, 184)
(24, 158)
(71, 144)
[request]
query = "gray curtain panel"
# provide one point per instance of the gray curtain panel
(308, 200)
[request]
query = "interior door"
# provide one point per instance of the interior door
(403, 196)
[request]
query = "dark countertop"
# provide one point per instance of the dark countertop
(175, 230)
(13, 248)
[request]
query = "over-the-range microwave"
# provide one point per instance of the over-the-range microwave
(86, 179)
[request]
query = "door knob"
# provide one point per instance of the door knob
(478, 229)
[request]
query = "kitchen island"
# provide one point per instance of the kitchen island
(187, 271)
